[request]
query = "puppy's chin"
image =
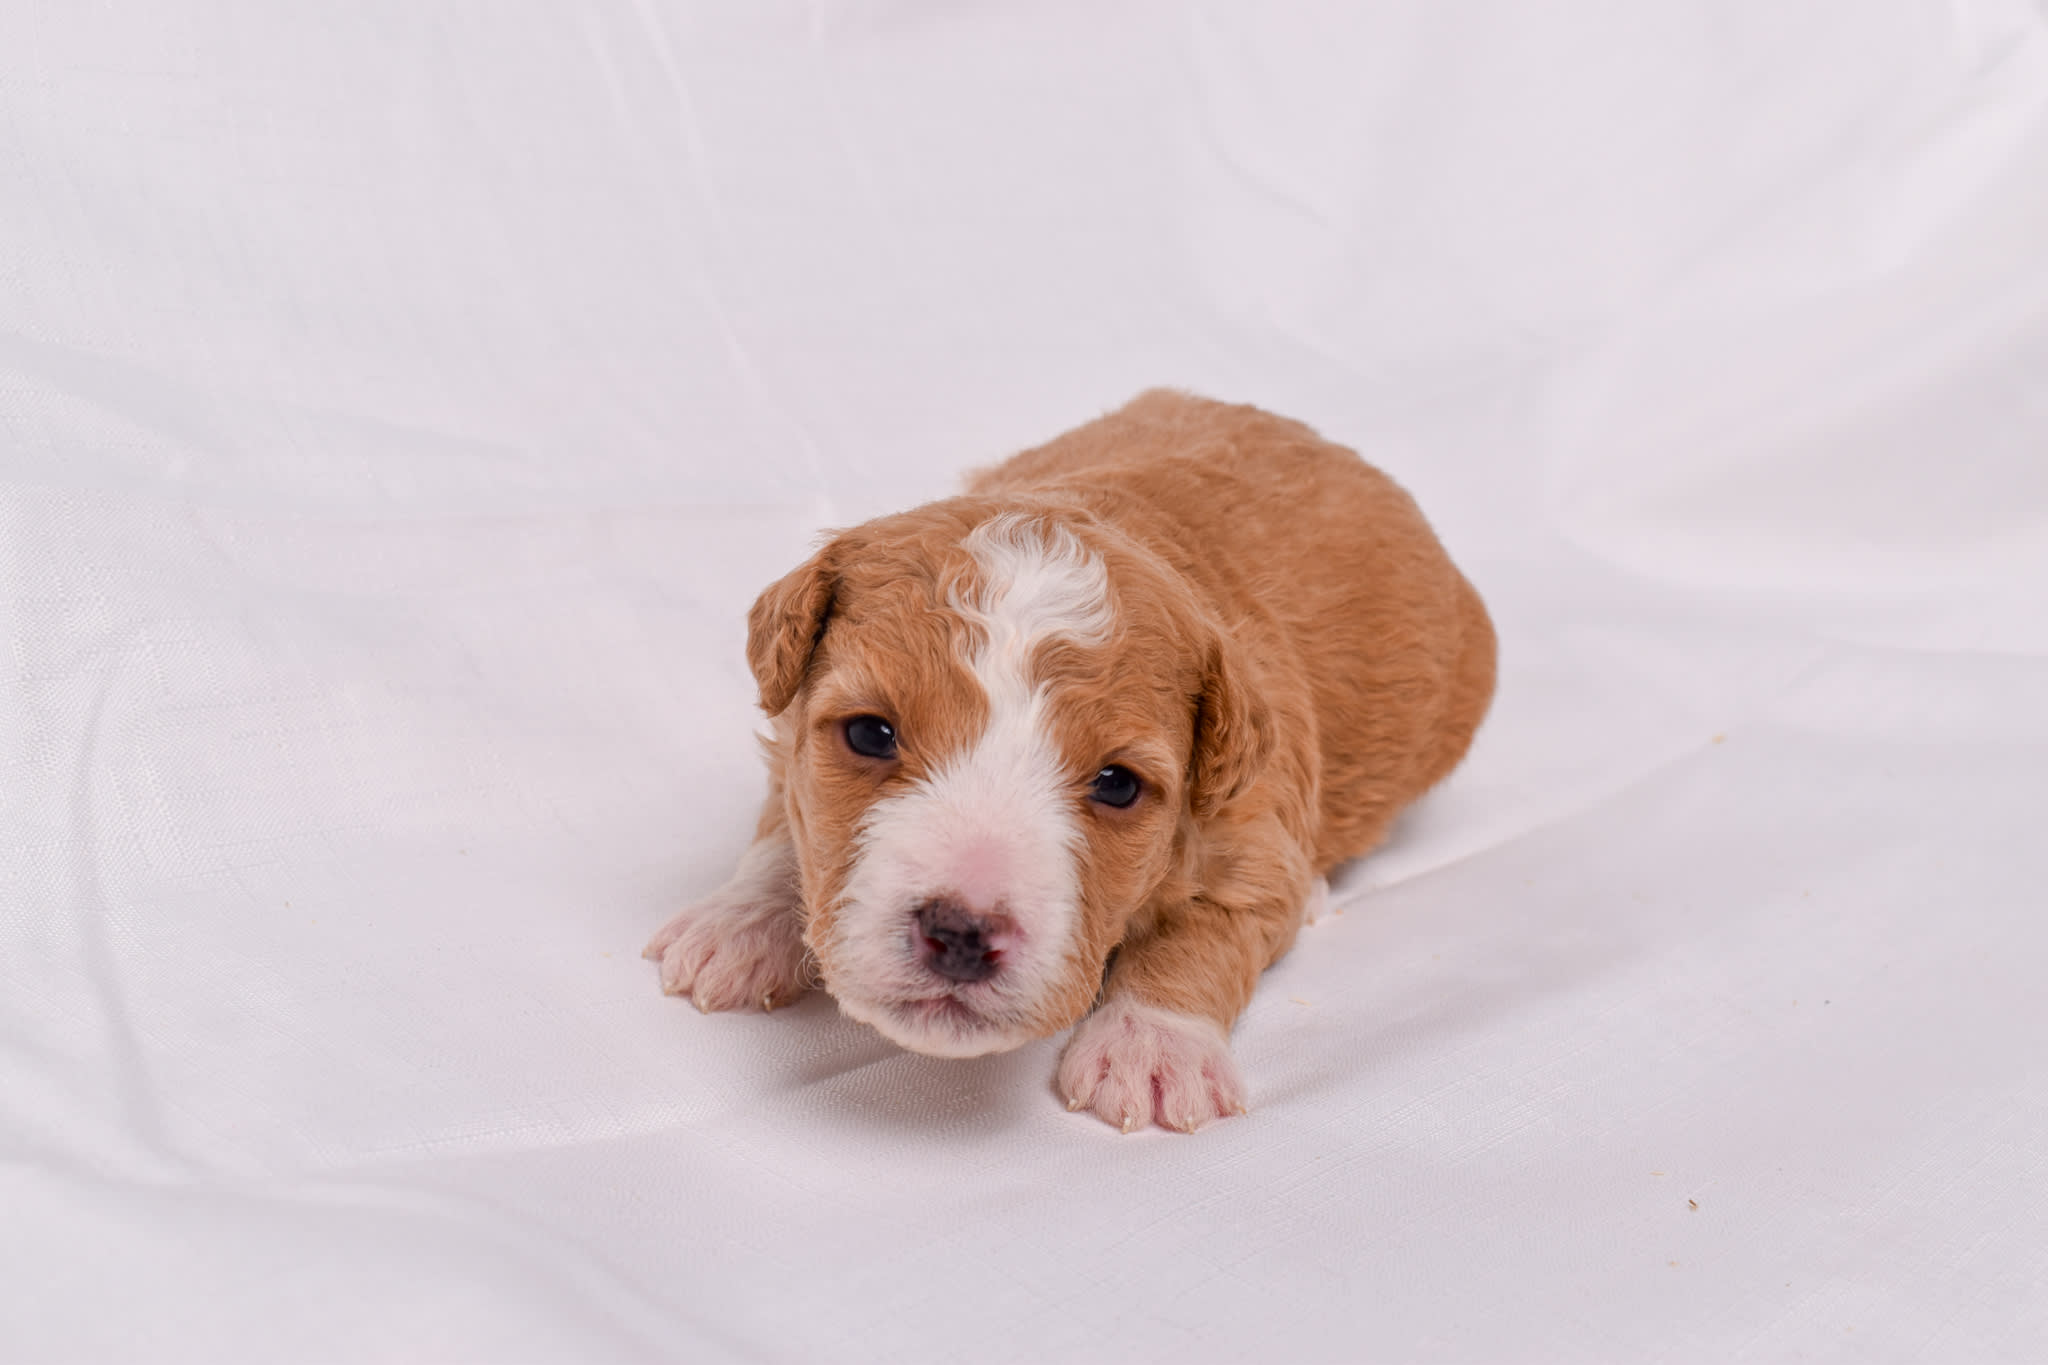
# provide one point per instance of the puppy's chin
(941, 1025)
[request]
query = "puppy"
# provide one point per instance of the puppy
(1081, 746)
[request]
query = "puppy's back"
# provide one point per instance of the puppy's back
(1322, 568)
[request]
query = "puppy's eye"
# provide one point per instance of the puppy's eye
(1115, 786)
(871, 737)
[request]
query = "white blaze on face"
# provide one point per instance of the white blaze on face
(992, 828)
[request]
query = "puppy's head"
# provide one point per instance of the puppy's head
(998, 727)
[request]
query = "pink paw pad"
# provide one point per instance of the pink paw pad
(1135, 1064)
(733, 952)
(1318, 903)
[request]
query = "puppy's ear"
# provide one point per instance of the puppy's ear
(786, 623)
(1233, 731)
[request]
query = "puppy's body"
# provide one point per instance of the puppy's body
(1247, 625)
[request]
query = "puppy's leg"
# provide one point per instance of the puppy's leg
(742, 946)
(1157, 1049)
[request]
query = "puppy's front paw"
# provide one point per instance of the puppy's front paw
(1135, 1064)
(741, 947)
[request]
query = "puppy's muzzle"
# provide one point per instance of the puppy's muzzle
(957, 943)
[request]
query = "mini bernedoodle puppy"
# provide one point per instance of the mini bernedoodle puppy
(1080, 746)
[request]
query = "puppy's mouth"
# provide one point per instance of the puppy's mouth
(943, 1023)
(941, 1009)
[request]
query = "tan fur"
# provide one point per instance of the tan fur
(1362, 648)
(1295, 660)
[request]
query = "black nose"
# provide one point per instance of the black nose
(955, 942)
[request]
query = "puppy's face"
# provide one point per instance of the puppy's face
(997, 731)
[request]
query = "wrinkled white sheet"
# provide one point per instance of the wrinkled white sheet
(400, 404)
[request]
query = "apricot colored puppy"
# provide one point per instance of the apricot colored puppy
(1080, 746)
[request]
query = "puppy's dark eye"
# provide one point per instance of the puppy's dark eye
(1115, 786)
(871, 737)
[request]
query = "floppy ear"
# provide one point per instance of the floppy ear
(786, 623)
(1233, 732)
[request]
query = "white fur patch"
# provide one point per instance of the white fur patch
(993, 828)
(1037, 582)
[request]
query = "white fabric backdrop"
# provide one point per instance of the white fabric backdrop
(401, 402)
